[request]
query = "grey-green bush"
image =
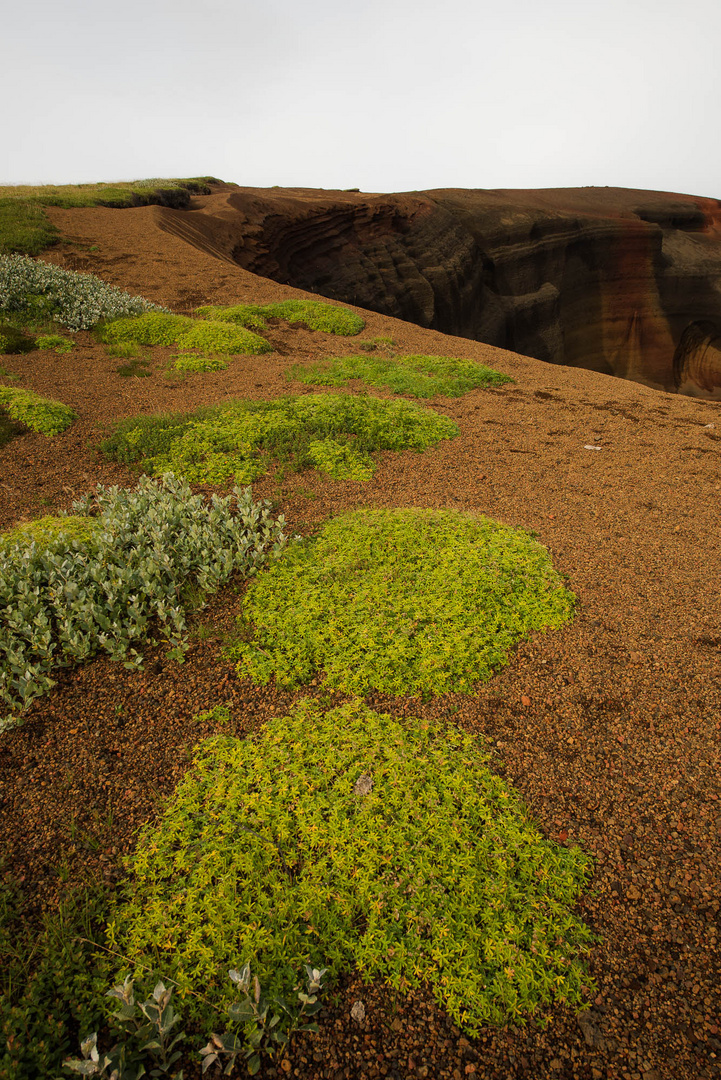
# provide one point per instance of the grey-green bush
(36, 291)
(67, 599)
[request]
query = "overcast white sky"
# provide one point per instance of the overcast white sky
(384, 95)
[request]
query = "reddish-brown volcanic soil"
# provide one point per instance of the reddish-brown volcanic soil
(608, 727)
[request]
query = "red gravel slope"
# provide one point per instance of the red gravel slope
(608, 727)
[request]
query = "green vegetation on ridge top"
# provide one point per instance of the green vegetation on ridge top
(332, 432)
(400, 601)
(364, 843)
(26, 230)
(315, 314)
(420, 376)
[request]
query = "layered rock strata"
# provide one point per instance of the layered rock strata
(618, 281)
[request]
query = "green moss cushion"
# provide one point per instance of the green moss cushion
(41, 414)
(315, 314)
(350, 840)
(401, 601)
(418, 376)
(156, 328)
(48, 529)
(332, 432)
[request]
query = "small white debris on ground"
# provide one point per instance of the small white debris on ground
(358, 1012)
(363, 785)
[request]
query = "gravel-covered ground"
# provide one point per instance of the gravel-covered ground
(609, 727)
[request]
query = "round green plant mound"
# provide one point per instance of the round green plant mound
(332, 432)
(401, 601)
(418, 376)
(41, 414)
(58, 342)
(315, 314)
(191, 362)
(349, 840)
(156, 328)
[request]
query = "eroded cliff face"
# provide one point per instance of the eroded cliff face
(618, 281)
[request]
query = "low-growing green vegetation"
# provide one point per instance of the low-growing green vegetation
(26, 230)
(401, 601)
(384, 344)
(315, 314)
(47, 988)
(138, 367)
(38, 413)
(8, 430)
(126, 350)
(156, 328)
(118, 194)
(330, 431)
(13, 340)
(350, 840)
(46, 530)
(57, 342)
(133, 573)
(192, 362)
(32, 291)
(419, 376)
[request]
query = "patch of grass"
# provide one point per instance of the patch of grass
(118, 194)
(373, 344)
(191, 362)
(126, 350)
(315, 314)
(47, 991)
(24, 228)
(57, 342)
(401, 601)
(38, 413)
(155, 328)
(340, 460)
(419, 376)
(249, 316)
(137, 368)
(331, 431)
(350, 840)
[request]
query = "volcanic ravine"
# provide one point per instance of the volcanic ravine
(623, 282)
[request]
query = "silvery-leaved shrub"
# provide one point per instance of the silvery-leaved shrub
(64, 600)
(35, 290)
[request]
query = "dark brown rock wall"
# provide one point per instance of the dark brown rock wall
(622, 282)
